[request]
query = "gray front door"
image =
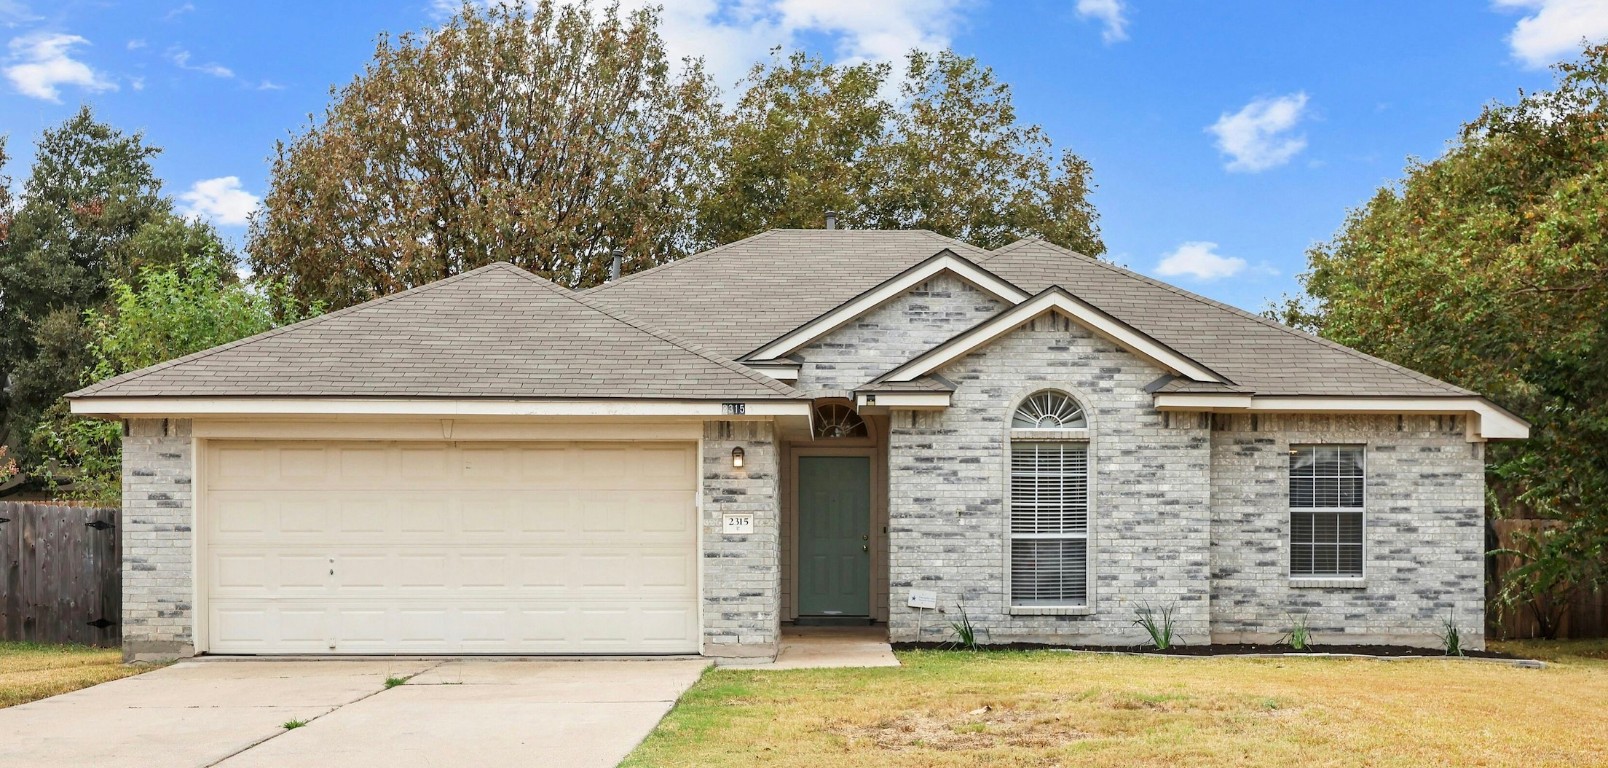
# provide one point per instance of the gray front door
(834, 536)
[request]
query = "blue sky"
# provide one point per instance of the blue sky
(1226, 138)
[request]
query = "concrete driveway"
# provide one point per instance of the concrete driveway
(449, 713)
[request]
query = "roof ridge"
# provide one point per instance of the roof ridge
(947, 240)
(673, 262)
(135, 375)
(620, 317)
(1423, 377)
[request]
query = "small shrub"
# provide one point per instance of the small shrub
(1451, 637)
(1158, 623)
(1299, 637)
(965, 633)
(291, 725)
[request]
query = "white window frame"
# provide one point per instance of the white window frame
(1082, 437)
(1290, 511)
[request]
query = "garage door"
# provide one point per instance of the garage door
(396, 547)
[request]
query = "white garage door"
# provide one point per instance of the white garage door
(396, 547)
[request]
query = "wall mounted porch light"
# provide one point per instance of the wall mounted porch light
(737, 458)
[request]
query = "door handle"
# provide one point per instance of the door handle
(865, 548)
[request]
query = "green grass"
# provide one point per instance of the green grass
(291, 725)
(394, 681)
(1045, 709)
(30, 671)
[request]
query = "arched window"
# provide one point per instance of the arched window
(1049, 409)
(838, 420)
(1049, 504)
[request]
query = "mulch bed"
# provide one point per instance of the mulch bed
(1384, 651)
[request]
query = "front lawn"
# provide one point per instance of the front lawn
(31, 671)
(1056, 709)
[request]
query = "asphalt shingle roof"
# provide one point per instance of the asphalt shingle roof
(736, 298)
(1252, 351)
(495, 332)
(671, 332)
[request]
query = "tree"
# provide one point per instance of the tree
(91, 189)
(545, 135)
(963, 166)
(1488, 267)
(170, 311)
(806, 137)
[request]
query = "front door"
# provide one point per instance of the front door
(834, 536)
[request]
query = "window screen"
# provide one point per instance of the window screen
(1049, 523)
(1326, 508)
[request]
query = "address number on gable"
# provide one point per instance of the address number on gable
(734, 409)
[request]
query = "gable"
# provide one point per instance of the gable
(943, 262)
(1059, 302)
(893, 333)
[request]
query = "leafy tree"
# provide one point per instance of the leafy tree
(92, 209)
(170, 311)
(806, 137)
(542, 134)
(1488, 267)
(963, 166)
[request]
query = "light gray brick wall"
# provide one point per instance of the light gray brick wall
(892, 334)
(158, 515)
(742, 574)
(1424, 531)
(1150, 520)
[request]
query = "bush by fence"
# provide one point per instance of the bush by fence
(1584, 614)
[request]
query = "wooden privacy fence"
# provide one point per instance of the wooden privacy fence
(1585, 615)
(61, 578)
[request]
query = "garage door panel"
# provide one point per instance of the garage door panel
(440, 548)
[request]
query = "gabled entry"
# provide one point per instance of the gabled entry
(834, 536)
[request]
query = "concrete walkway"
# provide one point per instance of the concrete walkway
(833, 647)
(449, 713)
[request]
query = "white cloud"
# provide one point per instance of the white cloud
(1201, 261)
(221, 200)
(269, 85)
(13, 13)
(181, 59)
(179, 11)
(42, 62)
(1555, 29)
(1110, 13)
(1257, 137)
(136, 44)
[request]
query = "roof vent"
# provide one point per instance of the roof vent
(616, 256)
(831, 219)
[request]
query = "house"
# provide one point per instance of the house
(825, 425)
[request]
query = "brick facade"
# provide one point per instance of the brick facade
(158, 517)
(1150, 516)
(741, 573)
(1187, 510)
(892, 334)
(1423, 532)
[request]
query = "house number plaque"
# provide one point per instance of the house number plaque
(737, 524)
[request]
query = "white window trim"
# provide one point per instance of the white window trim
(1082, 436)
(1324, 580)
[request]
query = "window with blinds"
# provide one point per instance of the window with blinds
(1326, 510)
(1049, 523)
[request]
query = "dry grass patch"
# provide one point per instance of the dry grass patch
(30, 671)
(1054, 709)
